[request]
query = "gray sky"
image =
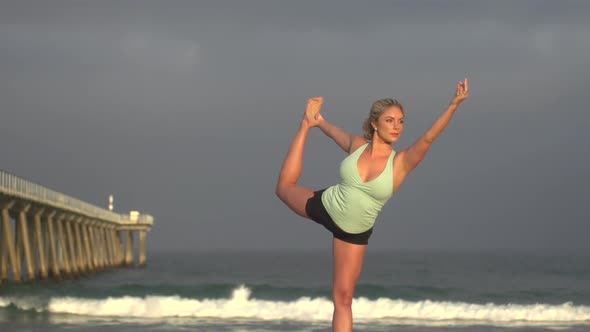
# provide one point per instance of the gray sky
(185, 110)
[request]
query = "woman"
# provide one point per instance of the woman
(369, 176)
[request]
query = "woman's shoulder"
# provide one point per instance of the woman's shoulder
(357, 142)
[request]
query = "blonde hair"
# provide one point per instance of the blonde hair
(376, 110)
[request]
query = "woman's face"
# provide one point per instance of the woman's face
(390, 124)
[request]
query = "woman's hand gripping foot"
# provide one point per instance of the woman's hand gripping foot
(312, 116)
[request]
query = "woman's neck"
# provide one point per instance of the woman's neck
(378, 147)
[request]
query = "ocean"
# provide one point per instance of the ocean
(284, 290)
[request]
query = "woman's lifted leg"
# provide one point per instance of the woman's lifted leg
(293, 195)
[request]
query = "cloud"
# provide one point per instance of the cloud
(551, 39)
(69, 45)
(154, 50)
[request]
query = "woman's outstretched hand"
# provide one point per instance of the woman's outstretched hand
(462, 92)
(312, 116)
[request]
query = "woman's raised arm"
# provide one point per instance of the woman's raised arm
(415, 153)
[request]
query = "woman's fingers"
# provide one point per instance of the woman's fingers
(462, 91)
(463, 87)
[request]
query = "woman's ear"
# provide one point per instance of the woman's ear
(374, 125)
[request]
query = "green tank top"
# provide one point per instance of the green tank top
(354, 204)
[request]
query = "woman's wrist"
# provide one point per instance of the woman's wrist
(304, 125)
(454, 103)
(322, 122)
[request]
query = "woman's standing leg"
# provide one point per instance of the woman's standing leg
(293, 195)
(348, 263)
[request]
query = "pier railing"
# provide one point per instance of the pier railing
(18, 187)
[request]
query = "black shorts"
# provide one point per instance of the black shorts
(317, 212)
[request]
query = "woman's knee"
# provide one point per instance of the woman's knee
(342, 296)
(283, 193)
(280, 190)
(294, 197)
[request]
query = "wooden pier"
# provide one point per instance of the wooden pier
(46, 234)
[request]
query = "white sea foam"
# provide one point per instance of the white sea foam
(241, 305)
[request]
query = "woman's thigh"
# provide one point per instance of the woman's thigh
(348, 263)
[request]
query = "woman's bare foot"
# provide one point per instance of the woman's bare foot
(312, 114)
